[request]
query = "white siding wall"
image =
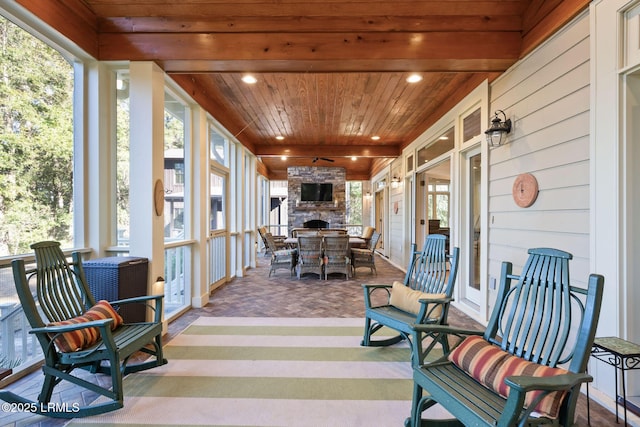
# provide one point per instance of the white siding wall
(395, 241)
(546, 95)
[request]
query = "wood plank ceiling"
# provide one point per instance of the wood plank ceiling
(330, 73)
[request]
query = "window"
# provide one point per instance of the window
(440, 146)
(36, 143)
(471, 125)
(174, 168)
(122, 158)
(353, 205)
(438, 201)
(279, 208)
(36, 169)
(216, 191)
(218, 147)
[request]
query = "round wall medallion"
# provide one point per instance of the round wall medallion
(158, 197)
(525, 190)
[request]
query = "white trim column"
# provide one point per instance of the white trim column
(200, 208)
(96, 221)
(146, 164)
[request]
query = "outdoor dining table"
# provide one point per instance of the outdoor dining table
(353, 241)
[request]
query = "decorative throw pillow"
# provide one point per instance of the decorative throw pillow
(407, 299)
(104, 310)
(367, 232)
(82, 338)
(490, 366)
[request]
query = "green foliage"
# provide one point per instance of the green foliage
(7, 363)
(354, 202)
(36, 142)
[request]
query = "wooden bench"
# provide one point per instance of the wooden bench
(423, 297)
(508, 374)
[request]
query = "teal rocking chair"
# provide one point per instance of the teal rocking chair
(507, 375)
(63, 297)
(432, 271)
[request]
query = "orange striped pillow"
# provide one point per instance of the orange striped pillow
(104, 310)
(82, 338)
(490, 366)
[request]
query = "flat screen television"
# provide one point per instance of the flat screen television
(316, 192)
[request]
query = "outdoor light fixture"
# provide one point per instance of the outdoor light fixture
(497, 133)
(158, 286)
(395, 181)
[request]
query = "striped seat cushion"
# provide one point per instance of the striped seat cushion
(490, 366)
(77, 340)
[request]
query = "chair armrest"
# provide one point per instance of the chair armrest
(426, 301)
(520, 385)
(73, 327)
(361, 251)
(370, 288)
(444, 329)
(103, 325)
(143, 298)
(426, 336)
(554, 383)
(376, 285)
(157, 307)
(429, 305)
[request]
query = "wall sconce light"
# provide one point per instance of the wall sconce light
(367, 194)
(395, 181)
(158, 286)
(497, 133)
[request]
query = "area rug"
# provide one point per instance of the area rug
(269, 372)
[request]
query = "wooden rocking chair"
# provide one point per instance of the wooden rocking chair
(508, 374)
(75, 332)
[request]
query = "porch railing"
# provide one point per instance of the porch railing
(217, 257)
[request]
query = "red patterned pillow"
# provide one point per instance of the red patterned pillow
(490, 366)
(82, 338)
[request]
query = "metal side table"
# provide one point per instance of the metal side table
(622, 355)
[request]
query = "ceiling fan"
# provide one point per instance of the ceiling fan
(315, 159)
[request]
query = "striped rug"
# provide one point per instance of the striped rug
(269, 372)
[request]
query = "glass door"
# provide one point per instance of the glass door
(470, 267)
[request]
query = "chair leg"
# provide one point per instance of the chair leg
(47, 388)
(367, 329)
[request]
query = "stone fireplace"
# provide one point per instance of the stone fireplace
(300, 212)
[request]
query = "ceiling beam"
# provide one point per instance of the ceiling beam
(336, 66)
(295, 8)
(288, 24)
(265, 150)
(476, 48)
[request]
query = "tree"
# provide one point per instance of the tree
(36, 142)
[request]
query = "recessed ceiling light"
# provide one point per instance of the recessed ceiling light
(279, 137)
(375, 137)
(249, 79)
(283, 157)
(414, 78)
(354, 158)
